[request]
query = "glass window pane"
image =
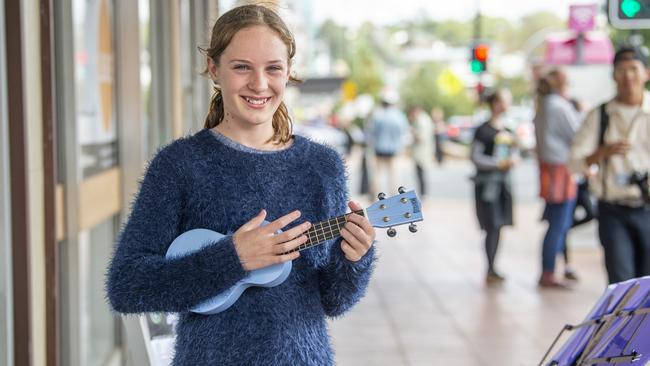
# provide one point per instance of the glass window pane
(96, 247)
(94, 85)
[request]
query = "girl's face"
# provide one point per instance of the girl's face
(253, 72)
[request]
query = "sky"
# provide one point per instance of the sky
(355, 12)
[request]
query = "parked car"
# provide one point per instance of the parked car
(519, 119)
(460, 129)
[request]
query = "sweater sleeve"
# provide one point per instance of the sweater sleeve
(140, 278)
(342, 283)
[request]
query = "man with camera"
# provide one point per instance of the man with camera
(616, 137)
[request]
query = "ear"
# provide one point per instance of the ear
(289, 70)
(213, 69)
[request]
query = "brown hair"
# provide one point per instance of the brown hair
(223, 31)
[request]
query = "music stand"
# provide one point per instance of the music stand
(616, 331)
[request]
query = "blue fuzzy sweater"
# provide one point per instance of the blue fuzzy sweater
(208, 181)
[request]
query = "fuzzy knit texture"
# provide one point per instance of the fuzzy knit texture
(201, 182)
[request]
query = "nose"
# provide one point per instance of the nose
(258, 82)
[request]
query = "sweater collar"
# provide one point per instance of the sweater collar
(210, 141)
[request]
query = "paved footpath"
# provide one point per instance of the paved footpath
(427, 303)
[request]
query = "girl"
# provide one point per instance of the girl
(492, 153)
(243, 168)
(556, 122)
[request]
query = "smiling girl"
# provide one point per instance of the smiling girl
(244, 167)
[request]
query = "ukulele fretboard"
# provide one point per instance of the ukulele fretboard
(325, 230)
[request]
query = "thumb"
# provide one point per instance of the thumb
(354, 206)
(255, 222)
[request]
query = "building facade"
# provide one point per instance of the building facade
(89, 90)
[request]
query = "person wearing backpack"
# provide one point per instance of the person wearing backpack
(616, 137)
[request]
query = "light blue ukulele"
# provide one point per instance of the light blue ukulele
(401, 209)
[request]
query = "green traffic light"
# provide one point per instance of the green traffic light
(630, 7)
(477, 66)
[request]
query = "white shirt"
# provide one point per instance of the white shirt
(423, 143)
(625, 122)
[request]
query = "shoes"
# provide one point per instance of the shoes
(547, 280)
(493, 278)
(570, 275)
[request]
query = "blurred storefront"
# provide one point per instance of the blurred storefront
(90, 89)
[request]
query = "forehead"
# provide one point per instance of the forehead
(257, 43)
(628, 63)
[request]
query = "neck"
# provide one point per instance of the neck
(495, 121)
(257, 136)
(325, 230)
(630, 98)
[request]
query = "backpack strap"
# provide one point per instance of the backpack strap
(604, 122)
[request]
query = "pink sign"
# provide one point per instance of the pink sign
(561, 49)
(582, 18)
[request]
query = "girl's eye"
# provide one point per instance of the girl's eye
(275, 68)
(241, 67)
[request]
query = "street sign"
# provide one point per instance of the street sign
(582, 18)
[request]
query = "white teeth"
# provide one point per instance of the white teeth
(257, 101)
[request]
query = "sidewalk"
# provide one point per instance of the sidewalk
(427, 303)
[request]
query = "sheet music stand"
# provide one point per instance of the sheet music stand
(616, 331)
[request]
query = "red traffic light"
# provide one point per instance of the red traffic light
(481, 52)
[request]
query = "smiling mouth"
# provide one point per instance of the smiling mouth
(256, 101)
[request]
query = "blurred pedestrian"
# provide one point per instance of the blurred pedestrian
(556, 121)
(615, 136)
(423, 145)
(493, 153)
(387, 129)
(440, 128)
(584, 203)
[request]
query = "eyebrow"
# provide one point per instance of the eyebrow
(248, 62)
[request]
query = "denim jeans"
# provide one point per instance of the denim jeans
(625, 236)
(560, 219)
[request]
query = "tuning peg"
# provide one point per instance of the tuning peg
(401, 190)
(381, 195)
(391, 232)
(413, 228)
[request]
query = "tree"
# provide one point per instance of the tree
(365, 69)
(420, 88)
(334, 37)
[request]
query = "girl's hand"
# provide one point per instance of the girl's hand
(259, 246)
(358, 235)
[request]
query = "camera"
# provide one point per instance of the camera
(641, 181)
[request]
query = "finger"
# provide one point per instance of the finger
(291, 233)
(349, 251)
(290, 245)
(285, 257)
(283, 221)
(362, 222)
(255, 222)
(354, 241)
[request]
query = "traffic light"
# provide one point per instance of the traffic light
(629, 14)
(480, 54)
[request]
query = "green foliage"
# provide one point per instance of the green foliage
(365, 69)
(519, 87)
(334, 37)
(419, 89)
